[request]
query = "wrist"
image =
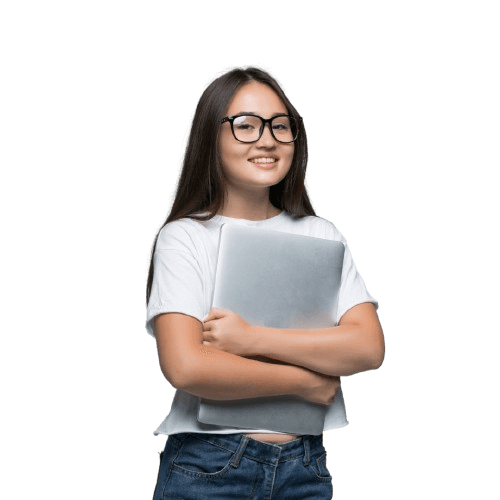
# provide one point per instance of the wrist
(303, 379)
(257, 340)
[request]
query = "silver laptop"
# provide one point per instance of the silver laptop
(280, 280)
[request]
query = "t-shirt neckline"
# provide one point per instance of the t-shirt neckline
(247, 222)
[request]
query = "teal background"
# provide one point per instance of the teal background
(400, 101)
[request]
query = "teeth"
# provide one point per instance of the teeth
(263, 160)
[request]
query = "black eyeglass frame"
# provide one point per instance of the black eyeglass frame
(231, 119)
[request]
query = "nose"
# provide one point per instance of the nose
(266, 139)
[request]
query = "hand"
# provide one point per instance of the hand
(228, 331)
(320, 388)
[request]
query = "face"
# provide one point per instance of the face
(261, 164)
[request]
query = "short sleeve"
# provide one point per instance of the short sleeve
(352, 287)
(177, 280)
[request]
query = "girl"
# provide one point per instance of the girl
(245, 163)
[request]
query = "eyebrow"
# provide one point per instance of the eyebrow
(255, 114)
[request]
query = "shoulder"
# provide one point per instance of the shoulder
(179, 234)
(313, 225)
(329, 230)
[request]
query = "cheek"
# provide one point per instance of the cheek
(226, 155)
(229, 148)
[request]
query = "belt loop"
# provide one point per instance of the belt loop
(306, 450)
(235, 461)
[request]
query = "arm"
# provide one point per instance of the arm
(214, 374)
(223, 376)
(356, 345)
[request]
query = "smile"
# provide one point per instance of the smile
(262, 161)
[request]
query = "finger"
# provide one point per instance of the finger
(215, 313)
(208, 316)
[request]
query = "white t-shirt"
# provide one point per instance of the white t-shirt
(183, 281)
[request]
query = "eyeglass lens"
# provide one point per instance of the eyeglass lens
(247, 128)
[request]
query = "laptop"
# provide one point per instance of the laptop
(279, 280)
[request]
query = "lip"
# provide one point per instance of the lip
(264, 166)
(264, 156)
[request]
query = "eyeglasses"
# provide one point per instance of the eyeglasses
(249, 128)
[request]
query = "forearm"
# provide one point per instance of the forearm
(341, 350)
(220, 375)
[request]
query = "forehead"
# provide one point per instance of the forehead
(258, 98)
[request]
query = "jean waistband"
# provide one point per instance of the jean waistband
(305, 446)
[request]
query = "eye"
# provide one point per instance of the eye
(243, 126)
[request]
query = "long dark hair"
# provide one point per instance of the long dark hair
(202, 186)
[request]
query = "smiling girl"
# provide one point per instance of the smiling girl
(245, 164)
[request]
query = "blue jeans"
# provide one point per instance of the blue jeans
(200, 466)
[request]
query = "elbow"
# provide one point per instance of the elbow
(374, 349)
(183, 380)
(174, 377)
(377, 361)
(377, 354)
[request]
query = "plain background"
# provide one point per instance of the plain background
(401, 106)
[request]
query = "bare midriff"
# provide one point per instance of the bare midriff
(273, 438)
